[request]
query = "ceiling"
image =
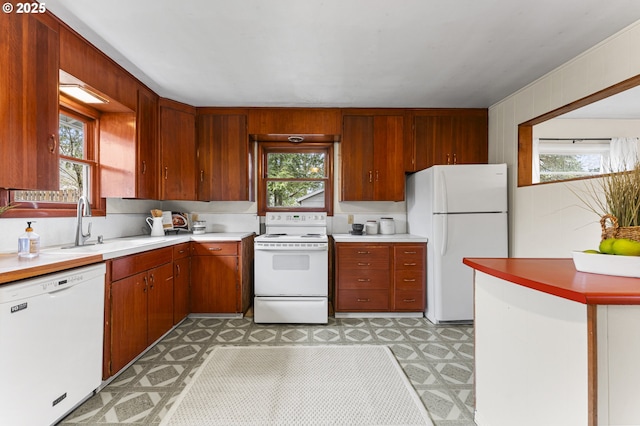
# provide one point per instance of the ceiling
(343, 53)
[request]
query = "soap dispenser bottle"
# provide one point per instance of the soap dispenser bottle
(29, 243)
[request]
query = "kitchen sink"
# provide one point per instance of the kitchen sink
(110, 246)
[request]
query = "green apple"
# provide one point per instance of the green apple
(626, 247)
(606, 246)
(592, 251)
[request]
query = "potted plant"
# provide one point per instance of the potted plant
(615, 197)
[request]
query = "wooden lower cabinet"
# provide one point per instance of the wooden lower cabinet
(221, 277)
(181, 281)
(387, 277)
(140, 303)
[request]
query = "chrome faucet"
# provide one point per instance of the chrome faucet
(84, 209)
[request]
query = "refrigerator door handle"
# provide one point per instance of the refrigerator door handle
(445, 232)
(443, 192)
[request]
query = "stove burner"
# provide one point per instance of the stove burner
(311, 235)
(274, 235)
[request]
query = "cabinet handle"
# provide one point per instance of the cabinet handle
(370, 176)
(364, 300)
(214, 248)
(52, 143)
(152, 278)
(408, 300)
(364, 252)
(166, 172)
(178, 269)
(455, 160)
(364, 280)
(144, 167)
(201, 175)
(377, 175)
(410, 252)
(180, 251)
(146, 282)
(410, 264)
(406, 280)
(363, 264)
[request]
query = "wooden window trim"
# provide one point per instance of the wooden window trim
(267, 147)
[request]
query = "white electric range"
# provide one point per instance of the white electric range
(292, 269)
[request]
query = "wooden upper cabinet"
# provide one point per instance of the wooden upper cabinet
(225, 170)
(178, 151)
(291, 121)
(447, 137)
(29, 102)
(129, 150)
(147, 164)
(372, 158)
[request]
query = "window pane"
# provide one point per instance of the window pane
(71, 137)
(560, 167)
(295, 165)
(295, 194)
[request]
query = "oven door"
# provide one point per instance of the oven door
(301, 272)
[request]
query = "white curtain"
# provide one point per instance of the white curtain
(623, 153)
(535, 167)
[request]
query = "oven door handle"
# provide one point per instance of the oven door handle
(290, 249)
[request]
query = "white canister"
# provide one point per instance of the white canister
(387, 226)
(199, 226)
(371, 227)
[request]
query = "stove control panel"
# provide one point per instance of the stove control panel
(296, 219)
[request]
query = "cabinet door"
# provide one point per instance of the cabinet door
(388, 167)
(29, 103)
(128, 319)
(177, 138)
(471, 140)
(224, 158)
(356, 152)
(147, 152)
(214, 284)
(181, 271)
(160, 301)
(372, 158)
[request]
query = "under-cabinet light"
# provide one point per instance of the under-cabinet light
(83, 94)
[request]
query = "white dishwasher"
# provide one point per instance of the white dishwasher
(51, 330)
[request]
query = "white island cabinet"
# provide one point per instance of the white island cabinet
(554, 346)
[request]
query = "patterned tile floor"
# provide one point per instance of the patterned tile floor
(437, 359)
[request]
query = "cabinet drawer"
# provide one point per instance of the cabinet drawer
(409, 280)
(128, 265)
(367, 256)
(180, 251)
(362, 279)
(409, 257)
(409, 300)
(214, 249)
(358, 300)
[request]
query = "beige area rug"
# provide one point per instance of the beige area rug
(299, 385)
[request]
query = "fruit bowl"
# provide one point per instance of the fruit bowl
(607, 264)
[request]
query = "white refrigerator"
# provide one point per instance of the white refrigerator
(462, 210)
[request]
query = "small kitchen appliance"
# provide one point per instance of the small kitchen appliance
(292, 269)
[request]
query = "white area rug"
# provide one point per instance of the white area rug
(299, 385)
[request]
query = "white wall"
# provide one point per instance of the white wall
(547, 220)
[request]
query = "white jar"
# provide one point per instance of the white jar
(371, 227)
(387, 226)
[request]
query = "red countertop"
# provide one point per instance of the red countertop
(560, 278)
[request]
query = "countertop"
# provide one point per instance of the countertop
(560, 278)
(379, 238)
(54, 259)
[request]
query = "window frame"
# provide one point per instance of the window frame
(265, 148)
(91, 118)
